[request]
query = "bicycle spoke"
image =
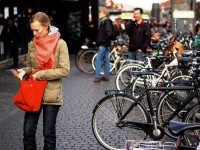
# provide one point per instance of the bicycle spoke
(106, 126)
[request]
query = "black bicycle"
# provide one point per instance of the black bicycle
(119, 116)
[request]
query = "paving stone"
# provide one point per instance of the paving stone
(74, 130)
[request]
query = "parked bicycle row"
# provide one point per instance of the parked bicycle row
(157, 87)
(157, 97)
(162, 45)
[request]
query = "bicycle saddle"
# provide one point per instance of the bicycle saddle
(178, 128)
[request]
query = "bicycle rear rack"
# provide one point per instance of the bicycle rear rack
(114, 92)
(149, 145)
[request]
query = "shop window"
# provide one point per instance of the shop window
(15, 11)
(6, 12)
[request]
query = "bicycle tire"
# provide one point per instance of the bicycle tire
(163, 110)
(129, 62)
(85, 61)
(77, 58)
(120, 63)
(183, 79)
(138, 84)
(193, 116)
(124, 76)
(93, 61)
(167, 104)
(104, 120)
(180, 80)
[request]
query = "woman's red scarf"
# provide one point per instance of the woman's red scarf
(45, 50)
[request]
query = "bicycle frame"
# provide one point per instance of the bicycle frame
(154, 124)
(114, 54)
(165, 72)
(147, 127)
(117, 57)
(182, 106)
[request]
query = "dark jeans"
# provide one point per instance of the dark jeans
(102, 55)
(49, 127)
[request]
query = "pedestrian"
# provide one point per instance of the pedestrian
(103, 42)
(117, 27)
(46, 50)
(139, 33)
(10, 37)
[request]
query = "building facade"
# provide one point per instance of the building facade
(72, 17)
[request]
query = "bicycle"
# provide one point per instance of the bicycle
(177, 128)
(118, 48)
(124, 77)
(119, 116)
(84, 57)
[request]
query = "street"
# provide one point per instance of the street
(74, 119)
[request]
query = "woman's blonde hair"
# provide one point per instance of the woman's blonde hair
(40, 17)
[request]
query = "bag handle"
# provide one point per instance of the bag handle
(48, 65)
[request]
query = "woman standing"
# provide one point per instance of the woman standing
(48, 53)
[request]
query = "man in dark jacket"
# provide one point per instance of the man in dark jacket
(139, 35)
(103, 42)
(10, 37)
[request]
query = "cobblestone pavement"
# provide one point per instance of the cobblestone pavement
(74, 119)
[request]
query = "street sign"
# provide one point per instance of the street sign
(119, 6)
(109, 3)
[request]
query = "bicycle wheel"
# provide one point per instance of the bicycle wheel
(77, 58)
(120, 63)
(193, 116)
(124, 76)
(151, 81)
(167, 104)
(177, 80)
(105, 121)
(180, 80)
(85, 61)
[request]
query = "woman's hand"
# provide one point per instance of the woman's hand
(21, 73)
(34, 77)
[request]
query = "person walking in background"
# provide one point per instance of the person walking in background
(11, 38)
(48, 51)
(139, 33)
(117, 27)
(103, 43)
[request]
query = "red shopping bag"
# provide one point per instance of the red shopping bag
(29, 96)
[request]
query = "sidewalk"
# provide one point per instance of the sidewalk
(74, 131)
(8, 85)
(74, 119)
(8, 62)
